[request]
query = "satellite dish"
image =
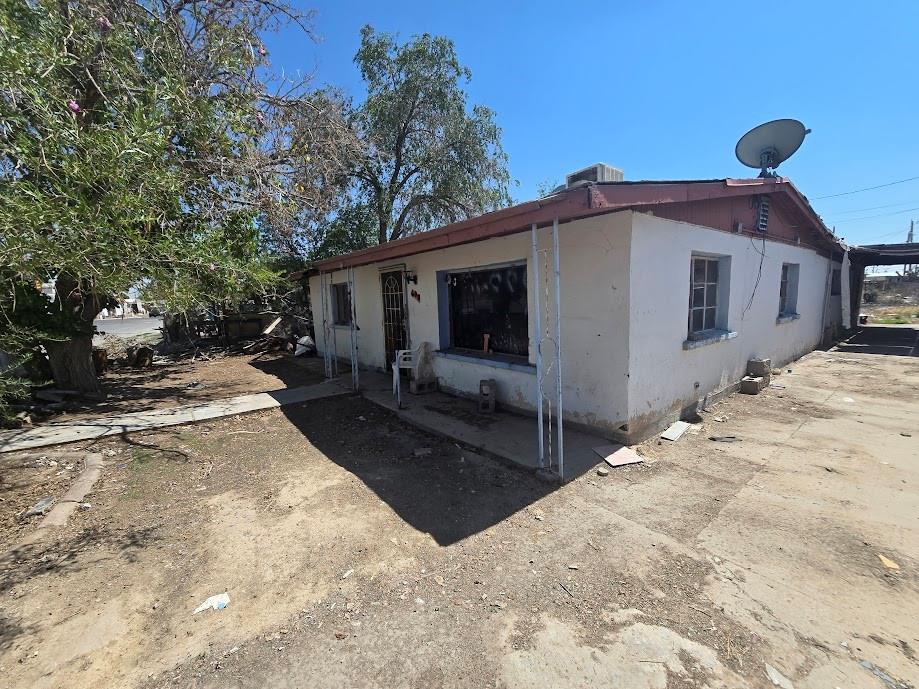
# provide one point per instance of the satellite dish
(767, 145)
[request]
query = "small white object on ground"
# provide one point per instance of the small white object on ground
(347, 574)
(777, 678)
(848, 399)
(602, 471)
(887, 562)
(218, 602)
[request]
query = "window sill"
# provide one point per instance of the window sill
(511, 363)
(708, 337)
(787, 318)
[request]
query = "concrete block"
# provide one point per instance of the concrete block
(488, 390)
(422, 387)
(751, 385)
(760, 367)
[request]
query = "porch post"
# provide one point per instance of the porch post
(558, 351)
(537, 341)
(355, 384)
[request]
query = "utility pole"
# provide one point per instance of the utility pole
(908, 269)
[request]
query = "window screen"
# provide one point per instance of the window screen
(490, 302)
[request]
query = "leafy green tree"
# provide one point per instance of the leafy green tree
(148, 141)
(428, 159)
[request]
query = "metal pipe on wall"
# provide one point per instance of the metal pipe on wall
(325, 326)
(355, 382)
(558, 350)
(537, 340)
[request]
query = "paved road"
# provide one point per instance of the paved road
(129, 326)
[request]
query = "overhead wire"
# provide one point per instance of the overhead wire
(879, 215)
(858, 191)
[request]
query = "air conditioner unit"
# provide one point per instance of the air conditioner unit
(601, 172)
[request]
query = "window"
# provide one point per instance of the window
(488, 310)
(836, 284)
(788, 290)
(703, 294)
(341, 304)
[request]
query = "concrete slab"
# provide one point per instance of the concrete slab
(675, 430)
(617, 455)
(64, 507)
(69, 432)
(511, 437)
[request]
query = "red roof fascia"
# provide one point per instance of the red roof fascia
(564, 206)
(574, 204)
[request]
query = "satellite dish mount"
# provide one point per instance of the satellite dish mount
(766, 146)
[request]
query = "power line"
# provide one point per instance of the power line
(888, 234)
(873, 208)
(879, 215)
(858, 191)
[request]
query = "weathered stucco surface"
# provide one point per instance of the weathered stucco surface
(624, 297)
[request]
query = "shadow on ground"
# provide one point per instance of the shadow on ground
(882, 340)
(431, 483)
(65, 556)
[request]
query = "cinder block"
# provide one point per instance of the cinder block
(760, 367)
(488, 390)
(421, 387)
(751, 385)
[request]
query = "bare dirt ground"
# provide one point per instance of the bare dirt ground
(358, 551)
(188, 379)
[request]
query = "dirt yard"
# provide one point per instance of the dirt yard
(359, 552)
(190, 378)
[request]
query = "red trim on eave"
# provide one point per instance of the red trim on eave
(507, 221)
(574, 204)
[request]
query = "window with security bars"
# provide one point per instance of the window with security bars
(341, 304)
(703, 294)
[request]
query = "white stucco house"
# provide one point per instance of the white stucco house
(665, 291)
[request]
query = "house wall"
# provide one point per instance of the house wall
(594, 269)
(665, 377)
(624, 301)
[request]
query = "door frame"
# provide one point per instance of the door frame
(399, 269)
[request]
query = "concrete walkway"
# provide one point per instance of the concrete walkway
(511, 437)
(68, 432)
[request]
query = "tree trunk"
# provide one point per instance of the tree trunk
(72, 365)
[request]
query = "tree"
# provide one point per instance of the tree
(427, 158)
(147, 141)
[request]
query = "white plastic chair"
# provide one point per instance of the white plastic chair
(405, 359)
(417, 360)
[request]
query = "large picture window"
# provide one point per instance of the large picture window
(488, 310)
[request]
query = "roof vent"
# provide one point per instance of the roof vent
(601, 172)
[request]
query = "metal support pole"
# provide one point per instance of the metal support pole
(332, 328)
(323, 299)
(537, 340)
(355, 383)
(558, 351)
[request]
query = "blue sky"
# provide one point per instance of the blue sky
(663, 90)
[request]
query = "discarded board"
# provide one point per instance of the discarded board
(272, 326)
(617, 456)
(677, 428)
